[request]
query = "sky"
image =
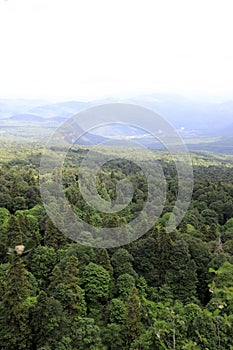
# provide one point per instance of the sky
(76, 49)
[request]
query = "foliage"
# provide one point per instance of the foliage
(163, 291)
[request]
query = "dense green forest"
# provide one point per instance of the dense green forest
(162, 291)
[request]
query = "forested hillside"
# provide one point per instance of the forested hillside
(162, 291)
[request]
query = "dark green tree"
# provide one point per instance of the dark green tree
(122, 262)
(103, 259)
(125, 284)
(53, 237)
(146, 260)
(204, 331)
(71, 280)
(221, 288)
(13, 231)
(117, 311)
(55, 278)
(96, 282)
(113, 337)
(85, 335)
(4, 217)
(132, 326)
(200, 253)
(181, 275)
(47, 321)
(15, 333)
(42, 262)
(165, 243)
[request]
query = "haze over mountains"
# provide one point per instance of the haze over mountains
(192, 119)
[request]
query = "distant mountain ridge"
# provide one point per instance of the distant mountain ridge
(26, 117)
(191, 118)
(61, 109)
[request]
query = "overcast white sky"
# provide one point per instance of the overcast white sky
(94, 48)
